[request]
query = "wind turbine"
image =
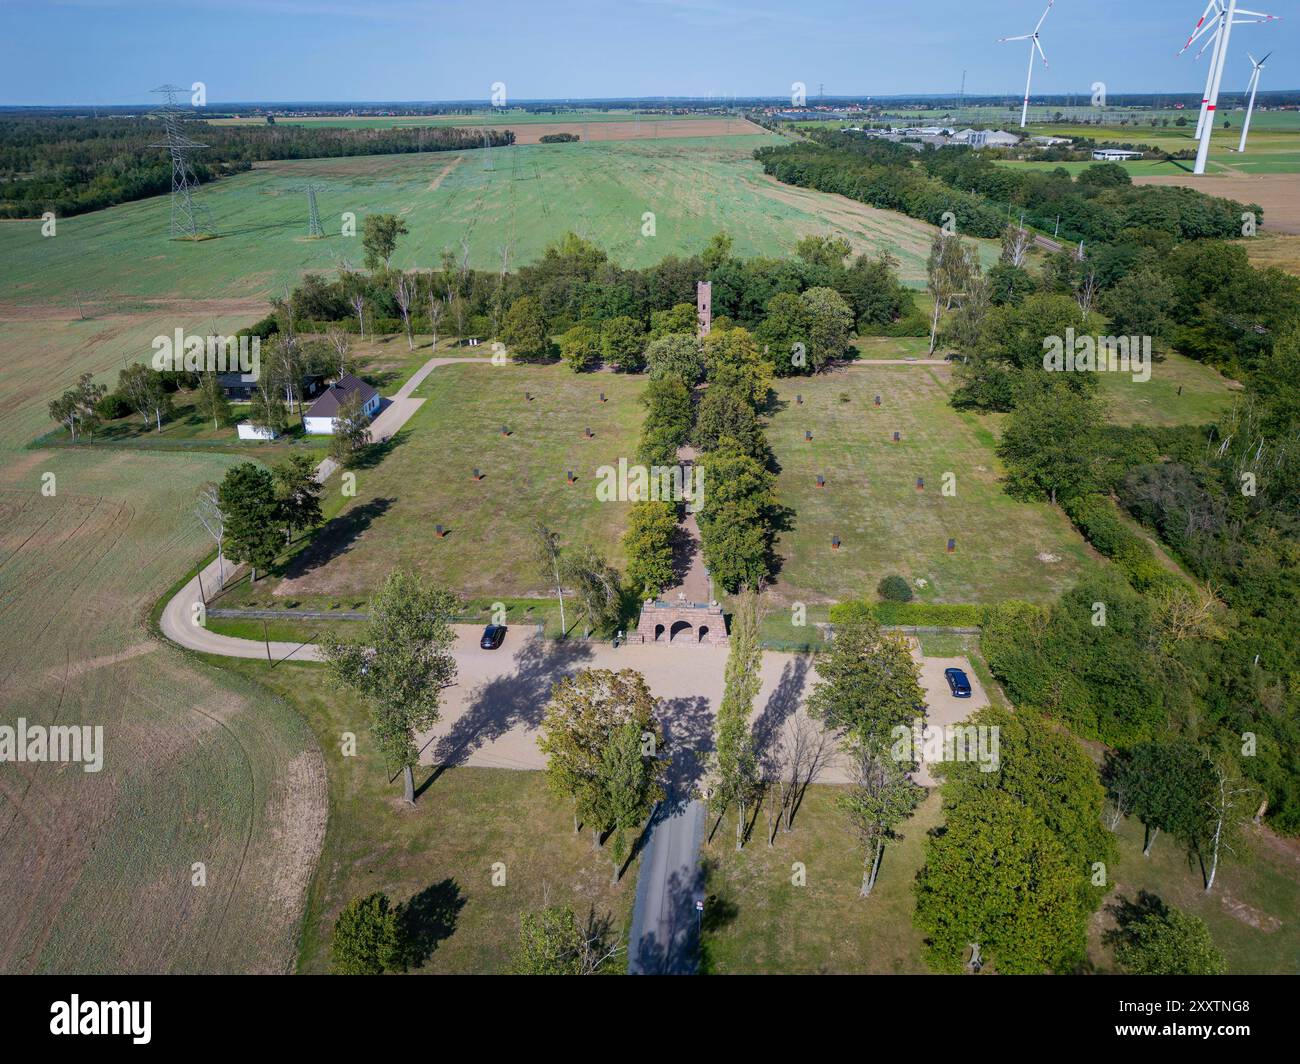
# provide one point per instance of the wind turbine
(1225, 14)
(1032, 38)
(1254, 88)
(1212, 19)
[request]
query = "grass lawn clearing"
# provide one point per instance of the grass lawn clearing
(1004, 549)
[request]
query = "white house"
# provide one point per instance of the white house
(1115, 155)
(319, 419)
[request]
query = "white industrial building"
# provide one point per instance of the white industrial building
(986, 138)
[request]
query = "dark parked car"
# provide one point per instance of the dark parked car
(493, 635)
(957, 682)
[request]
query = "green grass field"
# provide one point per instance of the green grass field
(1005, 549)
(760, 922)
(426, 479)
(536, 193)
(1250, 914)
(465, 822)
(1206, 394)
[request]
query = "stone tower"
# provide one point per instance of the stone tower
(704, 306)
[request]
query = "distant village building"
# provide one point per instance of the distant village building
(1115, 155)
(704, 306)
(319, 419)
(1052, 142)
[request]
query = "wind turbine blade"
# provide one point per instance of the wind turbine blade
(1040, 51)
(1201, 33)
(1261, 63)
(1022, 37)
(1203, 24)
(1259, 15)
(1213, 37)
(1045, 14)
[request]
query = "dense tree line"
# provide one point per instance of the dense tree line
(1099, 205)
(74, 165)
(576, 304)
(1221, 497)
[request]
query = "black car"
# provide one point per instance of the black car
(493, 636)
(957, 682)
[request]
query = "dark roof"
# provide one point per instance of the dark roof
(338, 393)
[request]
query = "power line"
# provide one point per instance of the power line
(313, 214)
(187, 218)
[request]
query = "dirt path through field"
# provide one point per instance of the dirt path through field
(442, 174)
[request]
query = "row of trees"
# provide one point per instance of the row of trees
(576, 304)
(976, 192)
(868, 686)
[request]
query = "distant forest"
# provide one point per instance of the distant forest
(1099, 205)
(73, 165)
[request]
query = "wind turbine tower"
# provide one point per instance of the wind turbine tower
(1222, 15)
(1032, 38)
(1254, 88)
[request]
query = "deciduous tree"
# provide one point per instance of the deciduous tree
(247, 498)
(401, 665)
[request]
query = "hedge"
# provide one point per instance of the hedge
(1096, 518)
(910, 614)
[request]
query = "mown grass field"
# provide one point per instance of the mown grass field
(758, 921)
(426, 480)
(1250, 914)
(1005, 549)
(534, 194)
(467, 820)
(1206, 394)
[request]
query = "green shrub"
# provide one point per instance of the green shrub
(894, 589)
(855, 611)
(1097, 519)
(910, 614)
(112, 406)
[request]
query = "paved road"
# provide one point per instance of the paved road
(180, 620)
(664, 939)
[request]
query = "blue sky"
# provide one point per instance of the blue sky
(105, 51)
